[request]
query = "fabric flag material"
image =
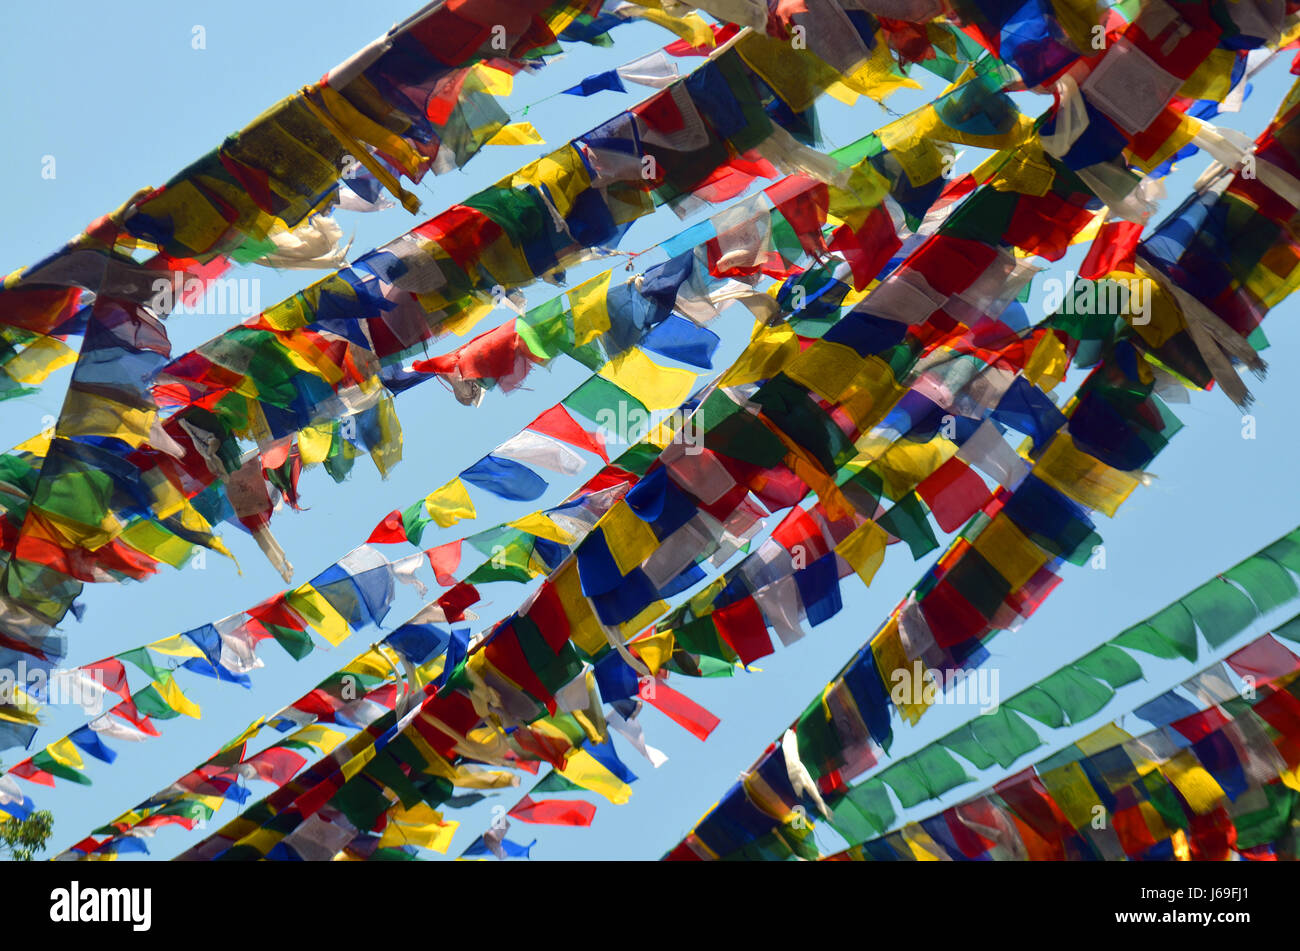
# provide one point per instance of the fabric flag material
(535, 449)
(517, 133)
(631, 728)
(505, 478)
(445, 559)
(590, 311)
(681, 709)
(558, 424)
(585, 769)
(655, 70)
(655, 386)
(608, 80)
(419, 825)
(450, 504)
(554, 812)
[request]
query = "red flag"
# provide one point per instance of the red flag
(1132, 830)
(1044, 224)
(742, 626)
(558, 424)
(276, 611)
(444, 560)
(128, 712)
(547, 612)
(799, 534)
(1264, 660)
(155, 821)
(1031, 804)
(505, 654)
(869, 248)
(390, 531)
(954, 493)
(25, 770)
(682, 710)
(455, 601)
(514, 759)
(276, 765)
(1112, 250)
(608, 476)
(804, 203)
(1212, 837)
(554, 812)
(384, 695)
(721, 33)
(542, 746)
(1198, 726)
(953, 620)
(319, 702)
(488, 356)
(112, 676)
(256, 630)
(87, 845)
(682, 853)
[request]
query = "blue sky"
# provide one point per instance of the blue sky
(121, 99)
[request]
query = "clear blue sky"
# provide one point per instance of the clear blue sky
(121, 99)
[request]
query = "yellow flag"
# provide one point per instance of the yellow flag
(357, 763)
(864, 549)
(388, 451)
(590, 315)
(420, 825)
(450, 504)
(358, 124)
(305, 355)
(467, 319)
(178, 645)
(289, 314)
(1084, 478)
(657, 387)
(91, 414)
(904, 464)
(692, 28)
(1074, 794)
(38, 445)
(65, 753)
(654, 650)
(585, 770)
(369, 664)
(1048, 363)
(872, 394)
(906, 689)
(248, 733)
(173, 697)
(517, 133)
(1194, 783)
(319, 613)
(1010, 553)
(563, 172)
(494, 82)
(630, 540)
(158, 543)
(542, 526)
(769, 350)
(39, 359)
(319, 737)
(314, 443)
(826, 368)
(923, 847)
(263, 840)
(643, 619)
(584, 628)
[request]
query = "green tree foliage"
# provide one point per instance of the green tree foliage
(21, 840)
